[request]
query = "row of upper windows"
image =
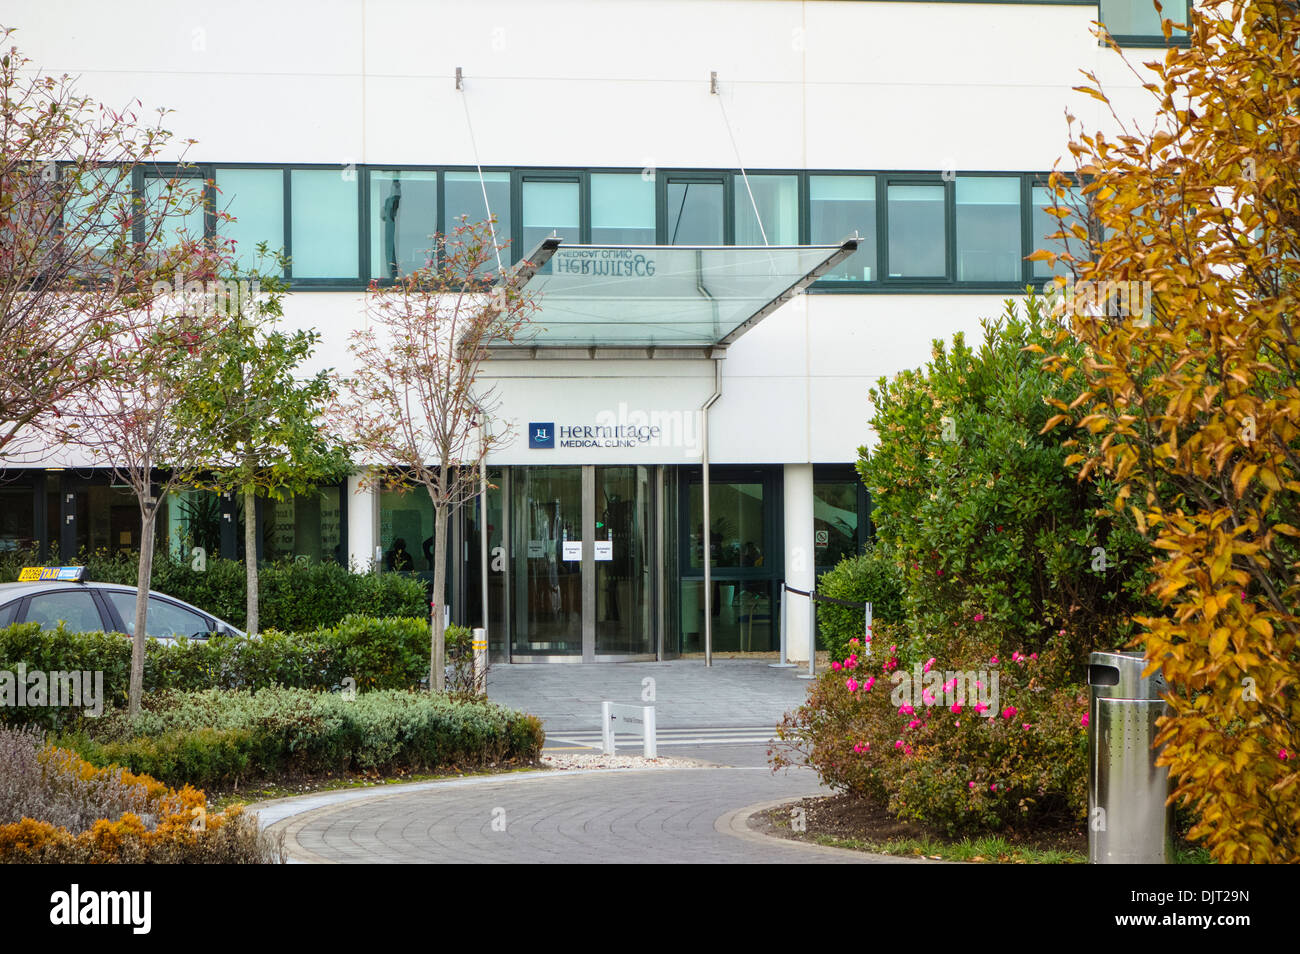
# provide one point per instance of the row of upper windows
(343, 226)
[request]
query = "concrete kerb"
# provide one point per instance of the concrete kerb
(736, 824)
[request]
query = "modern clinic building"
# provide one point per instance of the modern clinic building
(703, 163)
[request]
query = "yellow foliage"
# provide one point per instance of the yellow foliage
(1195, 404)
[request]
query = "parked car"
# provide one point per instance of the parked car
(110, 607)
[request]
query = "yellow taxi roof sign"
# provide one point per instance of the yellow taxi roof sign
(52, 574)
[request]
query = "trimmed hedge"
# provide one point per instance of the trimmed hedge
(871, 577)
(292, 596)
(221, 738)
(372, 653)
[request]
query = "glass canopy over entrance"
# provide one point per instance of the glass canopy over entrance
(662, 296)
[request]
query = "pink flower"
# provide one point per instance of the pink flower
(993, 787)
(835, 666)
(1283, 754)
(1061, 633)
(928, 665)
(1008, 712)
(993, 660)
(940, 572)
(1084, 721)
(905, 710)
(871, 681)
(1025, 726)
(907, 750)
(950, 685)
(898, 744)
(971, 784)
(1033, 656)
(979, 617)
(914, 723)
(957, 723)
(955, 708)
(853, 641)
(928, 697)
(980, 707)
(852, 684)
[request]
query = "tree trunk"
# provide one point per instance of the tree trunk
(250, 559)
(144, 572)
(437, 631)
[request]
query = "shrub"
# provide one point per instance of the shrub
(293, 596)
(936, 761)
(57, 808)
(999, 544)
(871, 577)
(372, 653)
(220, 738)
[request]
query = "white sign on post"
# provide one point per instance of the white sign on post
(604, 549)
(572, 550)
(639, 720)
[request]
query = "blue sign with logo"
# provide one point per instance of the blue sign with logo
(541, 436)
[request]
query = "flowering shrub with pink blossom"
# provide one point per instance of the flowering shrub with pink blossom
(954, 764)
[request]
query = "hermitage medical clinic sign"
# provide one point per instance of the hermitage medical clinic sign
(603, 262)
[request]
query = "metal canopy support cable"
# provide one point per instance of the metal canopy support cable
(713, 88)
(460, 85)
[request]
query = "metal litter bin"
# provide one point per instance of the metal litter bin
(1128, 820)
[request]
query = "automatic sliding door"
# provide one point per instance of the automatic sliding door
(623, 562)
(546, 574)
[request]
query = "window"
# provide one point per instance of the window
(463, 195)
(174, 210)
(549, 205)
(838, 206)
(917, 231)
(17, 519)
(839, 515)
(1137, 20)
(403, 221)
(696, 212)
(255, 200)
(163, 619)
(98, 208)
(622, 209)
(304, 527)
(1044, 224)
(324, 204)
(777, 198)
(75, 609)
(988, 228)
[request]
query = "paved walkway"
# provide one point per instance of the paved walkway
(734, 692)
(670, 816)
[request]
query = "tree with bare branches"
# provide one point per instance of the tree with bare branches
(82, 252)
(414, 404)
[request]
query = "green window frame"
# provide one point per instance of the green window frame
(1135, 23)
(328, 204)
(914, 189)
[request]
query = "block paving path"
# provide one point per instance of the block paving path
(658, 815)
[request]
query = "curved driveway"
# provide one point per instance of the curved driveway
(658, 815)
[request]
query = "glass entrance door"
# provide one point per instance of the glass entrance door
(623, 559)
(582, 562)
(546, 561)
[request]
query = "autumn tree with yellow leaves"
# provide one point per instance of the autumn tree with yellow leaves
(1190, 400)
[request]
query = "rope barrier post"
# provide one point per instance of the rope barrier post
(785, 660)
(867, 631)
(812, 637)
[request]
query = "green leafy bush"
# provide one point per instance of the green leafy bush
(943, 760)
(293, 596)
(220, 738)
(998, 541)
(871, 577)
(359, 653)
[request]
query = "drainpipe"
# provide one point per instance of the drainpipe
(708, 530)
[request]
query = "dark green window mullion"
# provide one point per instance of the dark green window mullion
(516, 215)
(210, 205)
(584, 206)
(440, 224)
(882, 229)
(138, 204)
(950, 225)
(661, 207)
(287, 225)
(729, 210)
(805, 213)
(363, 223)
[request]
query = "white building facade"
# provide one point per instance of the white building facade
(341, 132)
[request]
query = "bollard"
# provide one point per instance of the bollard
(480, 648)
